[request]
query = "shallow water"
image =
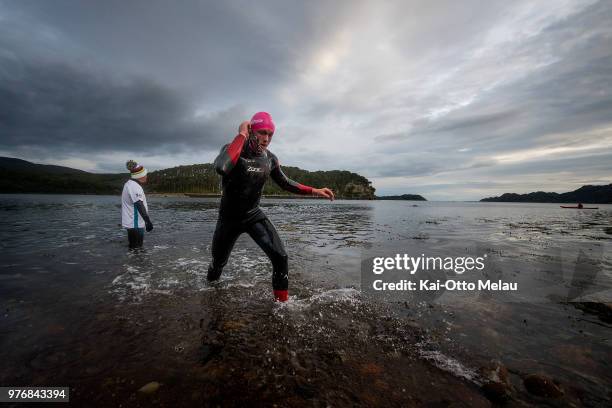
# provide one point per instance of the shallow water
(65, 256)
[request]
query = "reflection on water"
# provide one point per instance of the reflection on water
(62, 254)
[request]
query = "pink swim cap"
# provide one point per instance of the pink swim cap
(262, 120)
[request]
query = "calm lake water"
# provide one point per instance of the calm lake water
(64, 254)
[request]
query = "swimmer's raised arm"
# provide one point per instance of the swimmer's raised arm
(229, 154)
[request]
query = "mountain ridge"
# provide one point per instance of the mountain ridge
(587, 194)
(21, 176)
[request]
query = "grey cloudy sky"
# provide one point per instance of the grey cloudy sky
(452, 100)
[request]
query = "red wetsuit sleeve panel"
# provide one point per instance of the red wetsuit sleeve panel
(285, 182)
(229, 154)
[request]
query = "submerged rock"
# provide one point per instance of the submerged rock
(496, 383)
(234, 325)
(542, 386)
(496, 392)
(601, 309)
(496, 372)
(371, 369)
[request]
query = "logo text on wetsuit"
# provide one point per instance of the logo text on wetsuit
(255, 169)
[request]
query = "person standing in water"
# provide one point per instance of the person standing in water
(245, 165)
(134, 209)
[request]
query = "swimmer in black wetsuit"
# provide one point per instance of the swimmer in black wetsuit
(244, 165)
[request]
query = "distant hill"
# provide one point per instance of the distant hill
(411, 197)
(13, 164)
(585, 194)
(20, 176)
(202, 179)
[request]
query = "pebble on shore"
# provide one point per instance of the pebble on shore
(149, 388)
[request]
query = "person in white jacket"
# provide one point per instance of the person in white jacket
(134, 209)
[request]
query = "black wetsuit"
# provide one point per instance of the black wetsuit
(244, 169)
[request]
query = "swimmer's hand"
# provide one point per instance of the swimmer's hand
(324, 192)
(244, 128)
(148, 225)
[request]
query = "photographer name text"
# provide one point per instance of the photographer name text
(451, 285)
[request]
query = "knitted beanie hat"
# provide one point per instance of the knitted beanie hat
(136, 170)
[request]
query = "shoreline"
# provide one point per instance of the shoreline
(233, 346)
(276, 196)
(187, 195)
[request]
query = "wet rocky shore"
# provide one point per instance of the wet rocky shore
(233, 346)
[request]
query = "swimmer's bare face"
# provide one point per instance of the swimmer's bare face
(264, 137)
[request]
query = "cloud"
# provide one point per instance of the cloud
(409, 94)
(66, 108)
(164, 79)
